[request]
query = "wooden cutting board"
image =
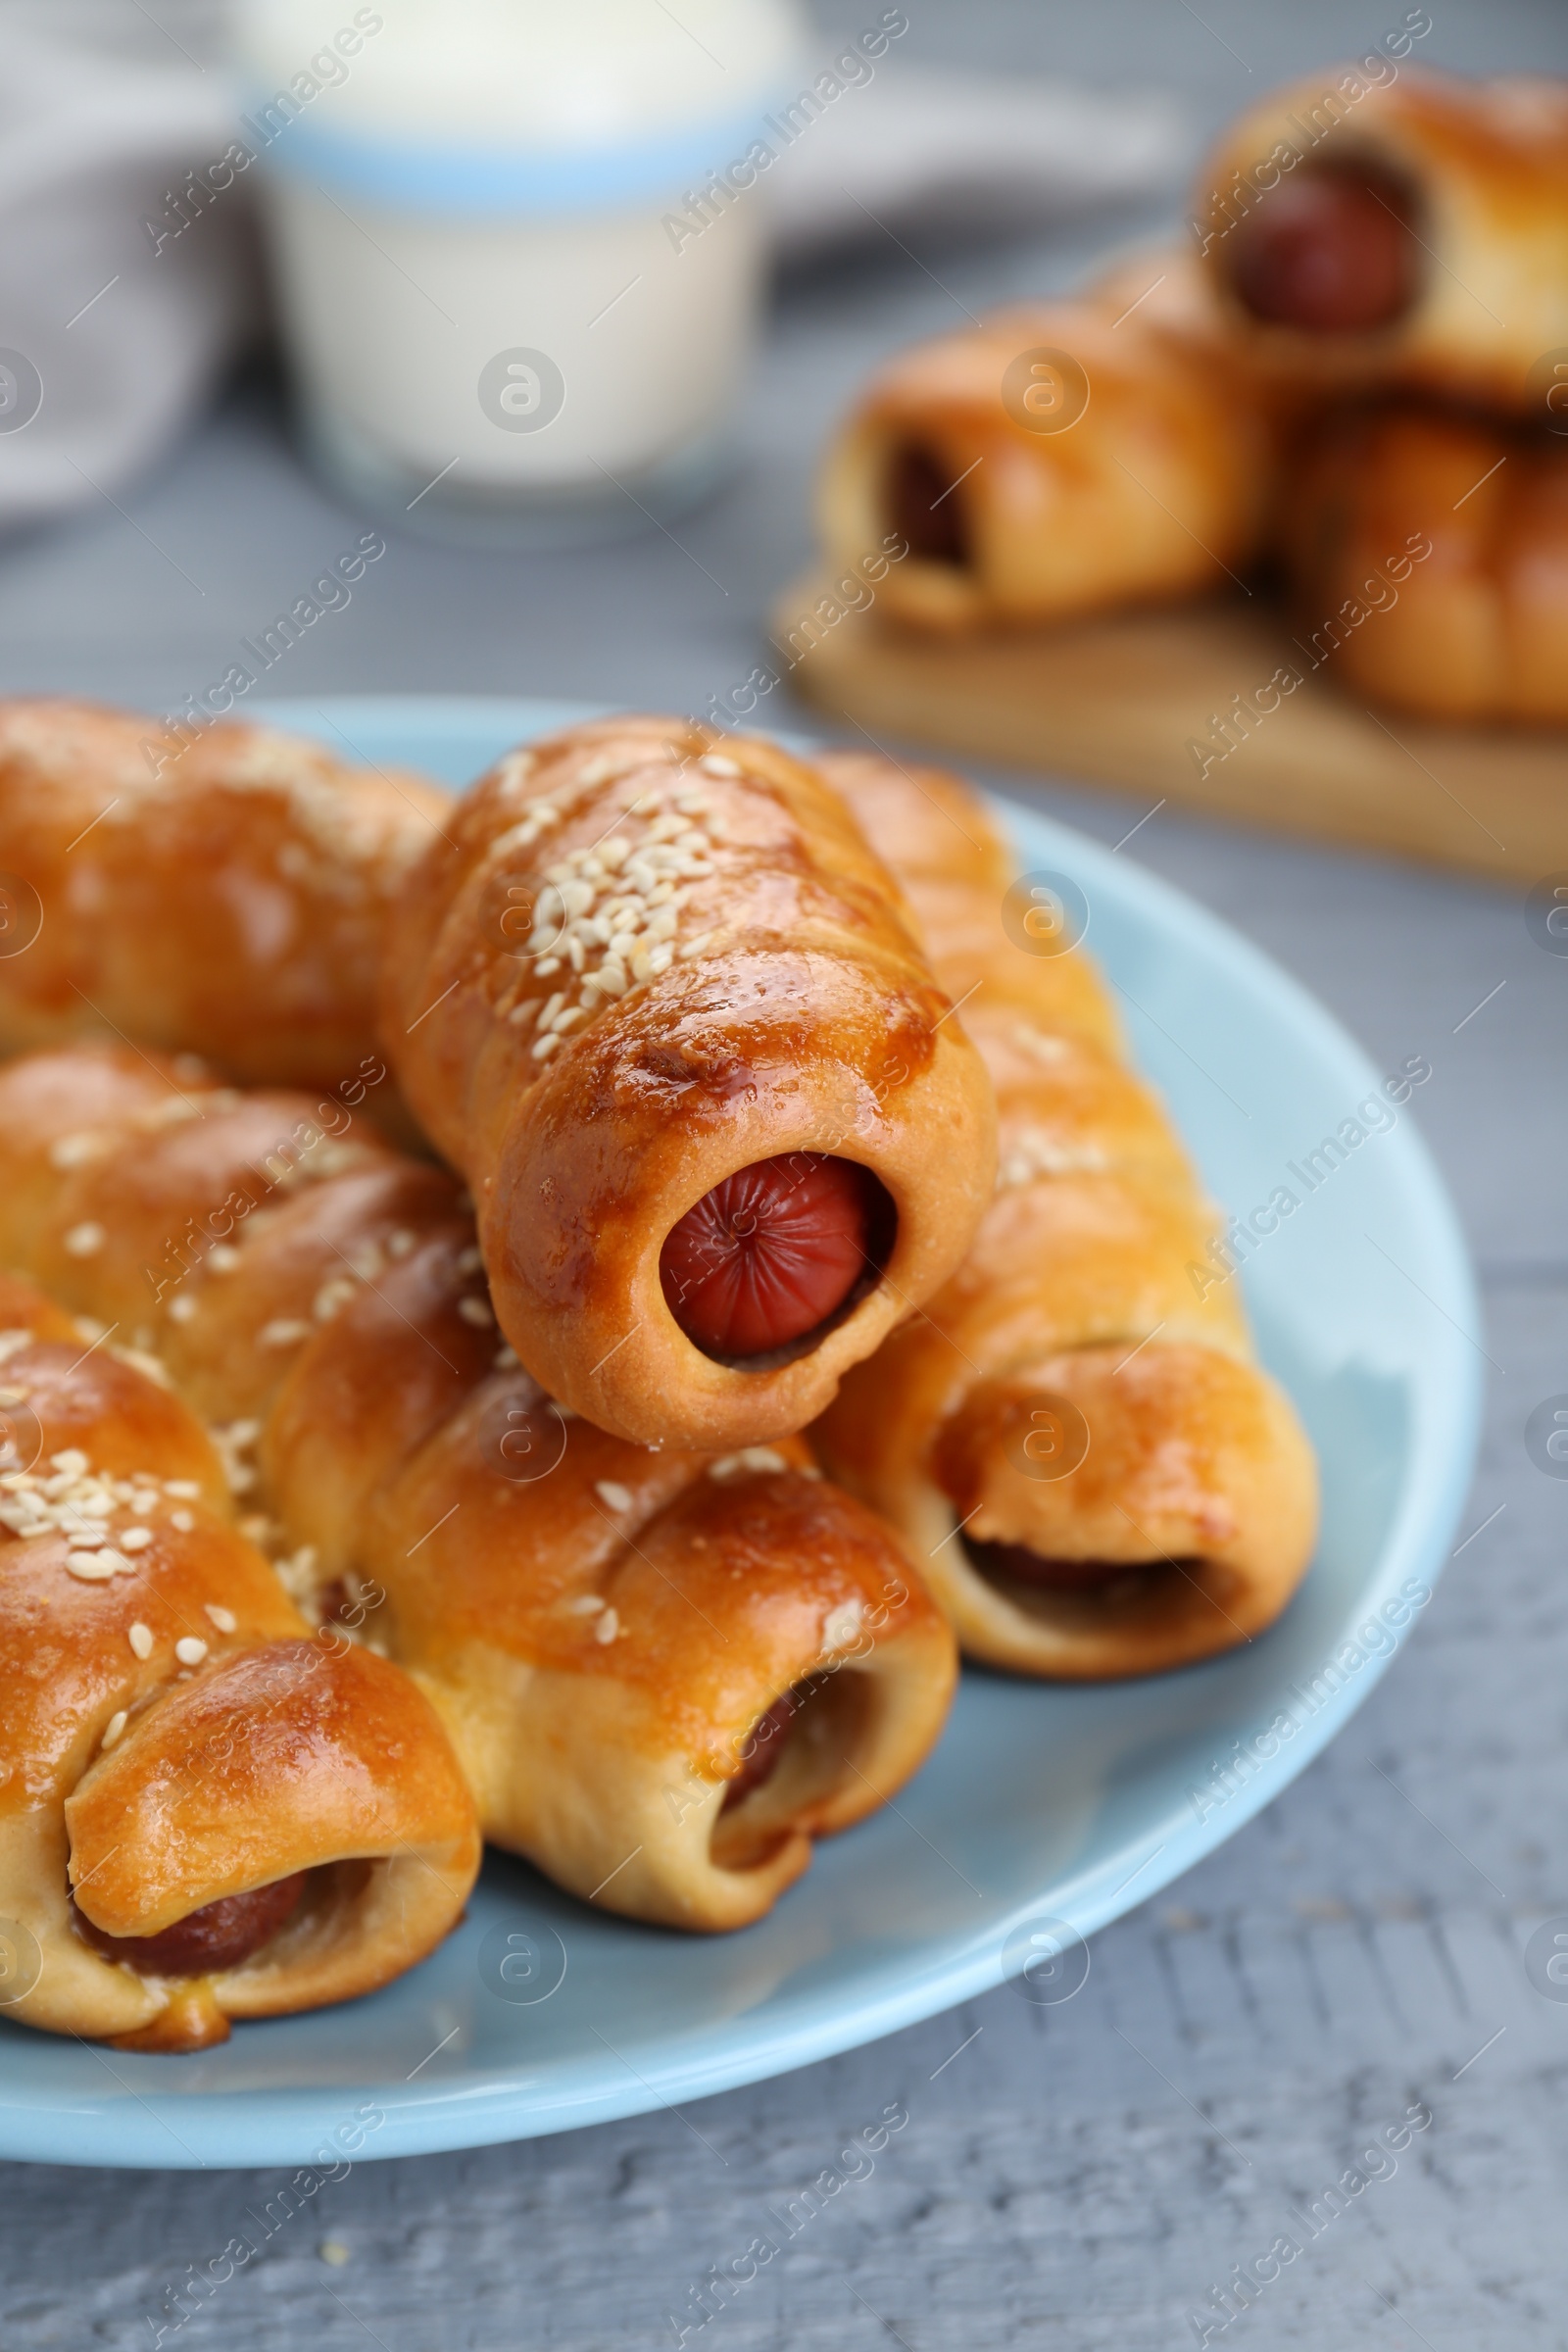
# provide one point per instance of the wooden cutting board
(1124, 702)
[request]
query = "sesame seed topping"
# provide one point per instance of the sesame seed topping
(286, 1331)
(83, 1240)
(115, 1725)
(222, 1258)
(399, 1244)
(475, 1311)
(507, 1359)
(544, 1046)
(224, 1619)
(586, 1604)
(469, 1260)
(141, 1640)
(190, 1650)
(74, 1151)
(92, 1567)
(613, 1495)
(182, 1307)
(751, 1460)
(183, 1520)
(607, 1626)
(135, 1539)
(182, 1489)
(842, 1625)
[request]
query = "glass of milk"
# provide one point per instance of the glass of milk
(518, 247)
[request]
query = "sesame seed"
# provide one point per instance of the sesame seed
(74, 1151)
(544, 1046)
(568, 1019)
(586, 1604)
(523, 1013)
(92, 1567)
(141, 1640)
(613, 1496)
(551, 1006)
(181, 1308)
(507, 1359)
(750, 1459)
(469, 1260)
(224, 1619)
(546, 966)
(83, 1240)
(115, 1725)
(475, 1311)
(190, 1650)
(714, 763)
(135, 1539)
(183, 1520)
(72, 1462)
(222, 1258)
(607, 1626)
(285, 1332)
(399, 1244)
(840, 1625)
(182, 1489)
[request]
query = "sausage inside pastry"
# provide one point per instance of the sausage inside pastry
(207, 1811)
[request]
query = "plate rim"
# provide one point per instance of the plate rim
(259, 2126)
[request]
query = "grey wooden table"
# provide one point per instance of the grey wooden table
(1350, 1955)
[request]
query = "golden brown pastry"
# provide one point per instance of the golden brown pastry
(1055, 460)
(664, 1674)
(1427, 554)
(653, 995)
(1073, 1439)
(225, 894)
(207, 1811)
(1398, 226)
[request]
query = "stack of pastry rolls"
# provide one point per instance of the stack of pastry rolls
(1361, 358)
(663, 1672)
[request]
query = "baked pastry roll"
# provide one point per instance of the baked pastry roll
(207, 1812)
(1073, 1438)
(664, 1673)
(226, 895)
(653, 995)
(1053, 461)
(1411, 231)
(1427, 554)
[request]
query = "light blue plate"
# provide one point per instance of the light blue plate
(1068, 1805)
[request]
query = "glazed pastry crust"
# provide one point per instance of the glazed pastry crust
(1487, 168)
(227, 896)
(148, 1780)
(1156, 488)
(763, 995)
(602, 1628)
(1427, 555)
(1197, 1497)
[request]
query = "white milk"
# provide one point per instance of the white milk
(503, 318)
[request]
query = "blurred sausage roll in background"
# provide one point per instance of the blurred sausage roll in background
(1055, 461)
(1410, 228)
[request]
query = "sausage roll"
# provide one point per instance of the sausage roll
(207, 1812)
(1053, 461)
(226, 895)
(1428, 561)
(1410, 230)
(1073, 1439)
(664, 1673)
(654, 996)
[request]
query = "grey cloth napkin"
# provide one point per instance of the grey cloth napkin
(120, 303)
